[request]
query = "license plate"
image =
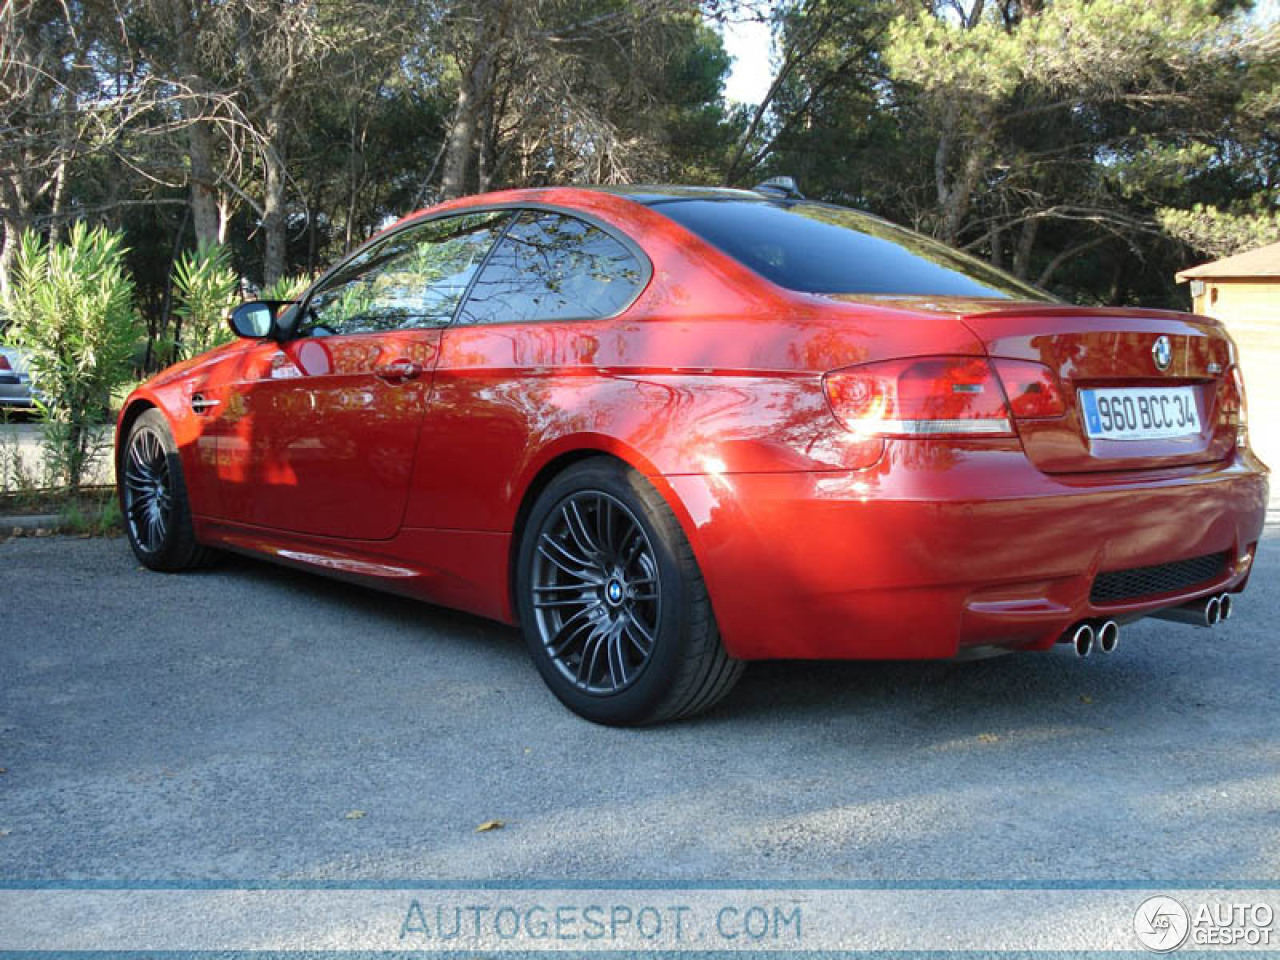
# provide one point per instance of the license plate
(1140, 413)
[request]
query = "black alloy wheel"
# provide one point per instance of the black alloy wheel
(614, 608)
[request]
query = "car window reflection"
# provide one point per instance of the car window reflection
(553, 267)
(817, 248)
(413, 279)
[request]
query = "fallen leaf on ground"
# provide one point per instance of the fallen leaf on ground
(490, 825)
(353, 815)
(1085, 698)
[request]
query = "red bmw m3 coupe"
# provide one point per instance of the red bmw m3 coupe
(669, 430)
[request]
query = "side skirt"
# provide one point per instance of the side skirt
(462, 569)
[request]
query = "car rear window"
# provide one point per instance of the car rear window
(819, 248)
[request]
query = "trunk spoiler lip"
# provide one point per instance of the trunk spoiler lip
(965, 308)
(1102, 313)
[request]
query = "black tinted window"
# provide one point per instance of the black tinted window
(818, 248)
(553, 267)
(414, 278)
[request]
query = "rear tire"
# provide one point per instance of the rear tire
(614, 609)
(153, 498)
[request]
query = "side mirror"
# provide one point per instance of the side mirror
(256, 320)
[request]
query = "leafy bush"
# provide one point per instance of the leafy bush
(206, 288)
(286, 288)
(71, 308)
(93, 515)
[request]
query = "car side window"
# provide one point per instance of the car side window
(412, 279)
(550, 266)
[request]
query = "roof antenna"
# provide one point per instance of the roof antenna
(786, 186)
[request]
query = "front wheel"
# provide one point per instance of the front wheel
(153, 498)
(614, 608)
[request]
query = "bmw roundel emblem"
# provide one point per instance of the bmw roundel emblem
(1162, 353)
(613, 591)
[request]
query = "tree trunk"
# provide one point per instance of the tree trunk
(274, 227)
(202, 179)
(955, 202)
(205, 214)
(8, 250)
(313, 241)
(14, 202)
(1026, 244)
(225, 210)
(461, 137)
(57, 206)
(355, 180)
(157, 330)
(941, 160)
(473, 90)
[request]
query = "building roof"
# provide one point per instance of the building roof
(1262, 262)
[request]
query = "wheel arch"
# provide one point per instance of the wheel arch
(135, 407)
(561, 457)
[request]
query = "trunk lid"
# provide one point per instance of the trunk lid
(1106, 348)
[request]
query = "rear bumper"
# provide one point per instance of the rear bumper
(921, 556)
(15, 394)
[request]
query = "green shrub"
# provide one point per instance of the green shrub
(287, 288)
(206, 288)
(71, 309)
(95, 515)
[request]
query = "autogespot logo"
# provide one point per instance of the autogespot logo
(1162, 924)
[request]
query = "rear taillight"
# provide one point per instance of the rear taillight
(4, 362)
(922, 396)
(1234, 405)
(1032, 389)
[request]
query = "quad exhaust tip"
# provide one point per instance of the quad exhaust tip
(1105, 634)
(1208, 612)
(1082, 639)
(1086, 635)
(1108, 636)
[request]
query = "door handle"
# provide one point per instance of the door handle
(398, 371)
(201, 404)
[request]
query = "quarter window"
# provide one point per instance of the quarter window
(553, 267)
(412, 279)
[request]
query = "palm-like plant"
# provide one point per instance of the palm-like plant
(287, 288)
(71, 309)
(206, 288)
